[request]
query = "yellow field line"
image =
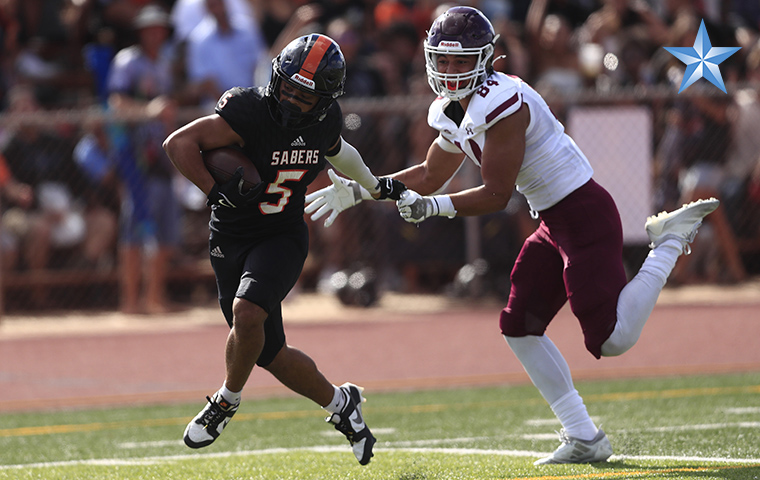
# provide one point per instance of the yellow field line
(394, 385)
(152, 422)
(637, 473)
(674, 393)
(621, 396)
(88, 427)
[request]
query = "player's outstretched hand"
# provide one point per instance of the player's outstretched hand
(342, 194)
(415, 208)
(230, 193)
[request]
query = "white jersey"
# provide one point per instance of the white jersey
(553, 165)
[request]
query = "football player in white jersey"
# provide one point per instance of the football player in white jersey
(575, 255)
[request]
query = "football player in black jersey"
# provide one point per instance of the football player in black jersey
(259, 240)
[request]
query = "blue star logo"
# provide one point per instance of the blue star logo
(702, 60)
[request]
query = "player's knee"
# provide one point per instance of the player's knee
(247, 316)
(509, 327)
(615, 346)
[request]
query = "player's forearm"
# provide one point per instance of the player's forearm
(420, 179)
(186, 157)
(350, 163)
(442, 162)
(479, 201)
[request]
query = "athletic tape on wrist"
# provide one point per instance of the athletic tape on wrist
(445, 206)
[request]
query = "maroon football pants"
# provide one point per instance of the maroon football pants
(575, 255)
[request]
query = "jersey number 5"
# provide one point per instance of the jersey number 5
(284, 192)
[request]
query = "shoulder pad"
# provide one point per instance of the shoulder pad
(498, 97)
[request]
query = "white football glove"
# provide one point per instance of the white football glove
(415, 208)
(342, 194)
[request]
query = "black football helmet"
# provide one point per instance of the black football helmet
(313, 64)
(459, 31)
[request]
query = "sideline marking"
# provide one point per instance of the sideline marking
(376, 431)
(439, 441)
(742, 410)
(157, 443)
(686, 428)
(108, 462)
(542, 422)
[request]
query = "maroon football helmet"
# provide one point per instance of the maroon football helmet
(459, 31)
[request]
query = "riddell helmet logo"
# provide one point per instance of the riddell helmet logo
(303, 81)
(448, 44)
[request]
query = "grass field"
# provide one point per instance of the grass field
(704, 428)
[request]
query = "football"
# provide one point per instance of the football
(222, 163)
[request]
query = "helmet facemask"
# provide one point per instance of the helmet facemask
(456, 86)
(321, 74)
(286, 113)
(459, 31)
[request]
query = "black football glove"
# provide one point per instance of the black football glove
(390, 188)
(230, 193)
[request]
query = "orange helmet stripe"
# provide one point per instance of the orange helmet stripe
(310, 65)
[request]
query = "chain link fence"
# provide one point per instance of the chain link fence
(62, 204)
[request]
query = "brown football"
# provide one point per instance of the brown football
(222, 163)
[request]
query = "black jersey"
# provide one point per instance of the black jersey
(287, 160)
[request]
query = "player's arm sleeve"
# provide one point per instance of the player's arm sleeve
(350, 163)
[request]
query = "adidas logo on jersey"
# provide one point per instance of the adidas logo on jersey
(217, 252)
(298, 142)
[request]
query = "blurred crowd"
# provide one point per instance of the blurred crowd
(107, 192)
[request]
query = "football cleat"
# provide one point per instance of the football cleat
(574, 450)
(350, 423)
(681, 224)
(209, 423)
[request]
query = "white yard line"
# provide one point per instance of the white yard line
(376, 431)
(334, 448)
(742, 410)
(697, 427)
(677, 458)
(158, 443)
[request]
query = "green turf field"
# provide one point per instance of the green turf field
(700, 428)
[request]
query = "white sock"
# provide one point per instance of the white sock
(338, 401)
(544, 364)
(573, 416)
(661, 260)
(230, 396)
(550, 373)
(638, 298)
